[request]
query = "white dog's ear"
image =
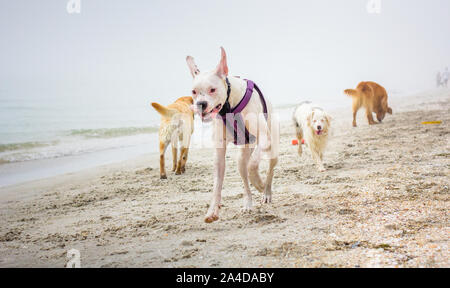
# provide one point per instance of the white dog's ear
(328, 118)
(192, 67)
(222, 68)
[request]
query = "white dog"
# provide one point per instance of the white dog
(241, 115)
(312, 125)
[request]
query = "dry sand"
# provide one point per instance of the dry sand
(383, 202)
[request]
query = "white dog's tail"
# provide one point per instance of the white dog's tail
(164, 111)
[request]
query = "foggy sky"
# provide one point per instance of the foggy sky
(133, 52)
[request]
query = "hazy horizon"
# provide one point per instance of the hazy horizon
(133, 52)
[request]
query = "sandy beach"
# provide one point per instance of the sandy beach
(383, 202)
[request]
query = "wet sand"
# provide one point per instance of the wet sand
(383, 202)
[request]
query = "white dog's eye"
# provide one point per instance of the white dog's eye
(212, 90)
(315, 121)
(194, 92)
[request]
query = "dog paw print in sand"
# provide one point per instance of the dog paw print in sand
(340, 180)
(337, 245)
(286, 249)
(300, 173)
(264, 218)
(181, 254)
(346, 211)
(419, 187)
(256, 216)
(11, 235)
(335, 165)
(145, 171)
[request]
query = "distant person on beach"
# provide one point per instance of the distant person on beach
(438, 79)
(444, 77)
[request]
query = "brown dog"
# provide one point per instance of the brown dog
(373, 97)
(177, 126)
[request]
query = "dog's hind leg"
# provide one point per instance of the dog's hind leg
(355, 107)
(267, 198)
(244, 157)
(162, 169)
(174, 156)
(253, 166)
(185, 140)
(264, 145)
(183, 159)
(176, 139)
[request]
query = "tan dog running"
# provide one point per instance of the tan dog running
(373, 97)
(177, 126)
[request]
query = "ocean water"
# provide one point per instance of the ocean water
(33, 130)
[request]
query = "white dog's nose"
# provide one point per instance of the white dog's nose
(319, 127)
(202, 105)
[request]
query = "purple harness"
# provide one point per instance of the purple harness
(232, 118)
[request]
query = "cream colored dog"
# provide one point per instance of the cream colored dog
(177, 126)
(215, 93)
(312, 124)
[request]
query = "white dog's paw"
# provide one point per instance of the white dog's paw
(267, 198)
(248, 206)
(212, 215)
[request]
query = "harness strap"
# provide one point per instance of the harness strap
(232, 118)
(263, 101)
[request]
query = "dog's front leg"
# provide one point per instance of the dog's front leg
(219, 173)
(321, 167)
(316, 155)
(370, 117)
